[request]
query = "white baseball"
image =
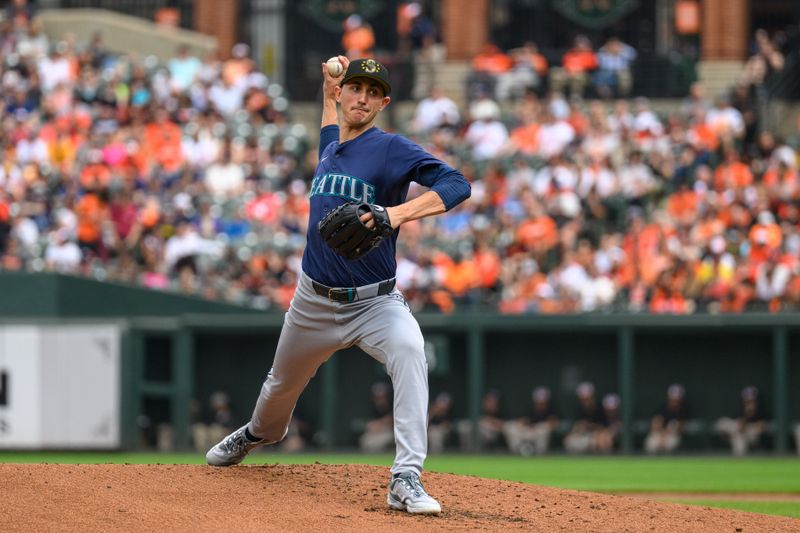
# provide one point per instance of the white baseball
(334, 67)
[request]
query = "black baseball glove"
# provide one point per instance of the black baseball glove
(343, 230)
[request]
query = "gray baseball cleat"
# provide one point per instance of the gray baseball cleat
(406, 493)
(233, 449)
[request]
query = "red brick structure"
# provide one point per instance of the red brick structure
(220, 19)
(725, 29)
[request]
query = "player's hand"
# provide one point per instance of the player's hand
(329, 83)
(394, 219)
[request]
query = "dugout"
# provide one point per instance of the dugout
(176, 349)
(636, 357)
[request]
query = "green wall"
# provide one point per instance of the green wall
(46, 295)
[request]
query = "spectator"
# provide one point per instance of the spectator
(435, 111)
(62, 254)
(299, 435)
(21, 13)
(531, 434)
(764, 63)
(486, 134)
(208, 429)
(378, 435)
(529, 69)
(576, 65)
(797, 438)
(725, 121)
(613, 75)
(186, 245)
(745, 431)
(696, 103)
(429, 52)
(358, 39)
(440, 422)
(606, 436)
(487, 66)
(490, 425)
(668, 426)
(184, 69)
(582, 437)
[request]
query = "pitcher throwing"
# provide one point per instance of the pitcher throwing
(346, 295)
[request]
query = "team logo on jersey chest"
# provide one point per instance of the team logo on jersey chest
(344, 186)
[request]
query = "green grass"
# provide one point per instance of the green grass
(701, 475)
(602, 474)
(779, 508)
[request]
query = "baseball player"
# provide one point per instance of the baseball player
(346, 294)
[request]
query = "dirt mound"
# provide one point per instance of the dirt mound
(322, 497)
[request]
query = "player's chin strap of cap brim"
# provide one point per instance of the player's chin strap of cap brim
(351, 294)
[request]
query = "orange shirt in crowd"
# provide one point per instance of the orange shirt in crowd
(767, 235)
(459, 278)
(358, 43)
(772, 179)
(577, 61)
(668, 302)
(95, 175)
(704, 137)
(487, 265)
(162, 142)
(682, 206)
(526, 138)
(540, 233)
(492, 60)
(732, 175)
(90, 218)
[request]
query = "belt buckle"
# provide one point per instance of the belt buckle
(330, 294)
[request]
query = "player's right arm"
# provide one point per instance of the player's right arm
(329, 130)
(330, 84)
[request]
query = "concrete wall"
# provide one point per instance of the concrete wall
(124, 33)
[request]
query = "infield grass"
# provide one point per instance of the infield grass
(680, 475)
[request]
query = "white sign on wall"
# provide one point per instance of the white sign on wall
(59, 386)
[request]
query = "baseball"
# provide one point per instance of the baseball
(334, 67)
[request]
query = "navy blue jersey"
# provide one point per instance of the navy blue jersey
(376, 167)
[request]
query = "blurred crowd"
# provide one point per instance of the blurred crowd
(189, 174)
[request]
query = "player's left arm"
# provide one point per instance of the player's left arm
(449, 187)
(425, 205)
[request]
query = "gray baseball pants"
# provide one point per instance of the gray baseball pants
(316, 327)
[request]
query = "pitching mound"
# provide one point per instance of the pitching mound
(322, 498)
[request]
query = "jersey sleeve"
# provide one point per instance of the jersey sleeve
(327, 135)
(408, 161)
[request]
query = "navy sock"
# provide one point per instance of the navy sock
(249, 436)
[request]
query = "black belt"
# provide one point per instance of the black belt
(351, 294)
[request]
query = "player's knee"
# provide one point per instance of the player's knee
(407, 350)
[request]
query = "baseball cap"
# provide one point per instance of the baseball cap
(585, 390)
(611, 401)
(749, 393)
(541, 394)
(675, 390)
(368, 68)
